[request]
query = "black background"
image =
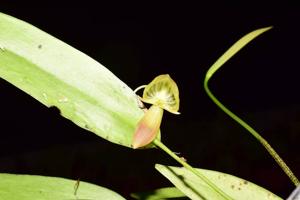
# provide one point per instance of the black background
(139, 42)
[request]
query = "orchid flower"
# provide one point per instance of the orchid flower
(163, 94)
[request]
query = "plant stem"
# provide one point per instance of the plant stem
(163, 147)
(268, 147)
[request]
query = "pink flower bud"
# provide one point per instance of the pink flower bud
(147, 127)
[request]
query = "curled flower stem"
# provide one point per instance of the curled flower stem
(163, 147)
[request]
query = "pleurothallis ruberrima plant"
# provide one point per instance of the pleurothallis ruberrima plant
(101, 103)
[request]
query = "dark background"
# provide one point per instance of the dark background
(139, 42)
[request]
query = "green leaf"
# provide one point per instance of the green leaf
(58, 75)
(233, 50)
(196, 189)
(28, 187)
(159, 194)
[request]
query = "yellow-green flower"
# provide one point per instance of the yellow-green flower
(162, 93)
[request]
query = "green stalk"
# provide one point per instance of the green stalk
(268, 147)
(217, 65)
(163, 147)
